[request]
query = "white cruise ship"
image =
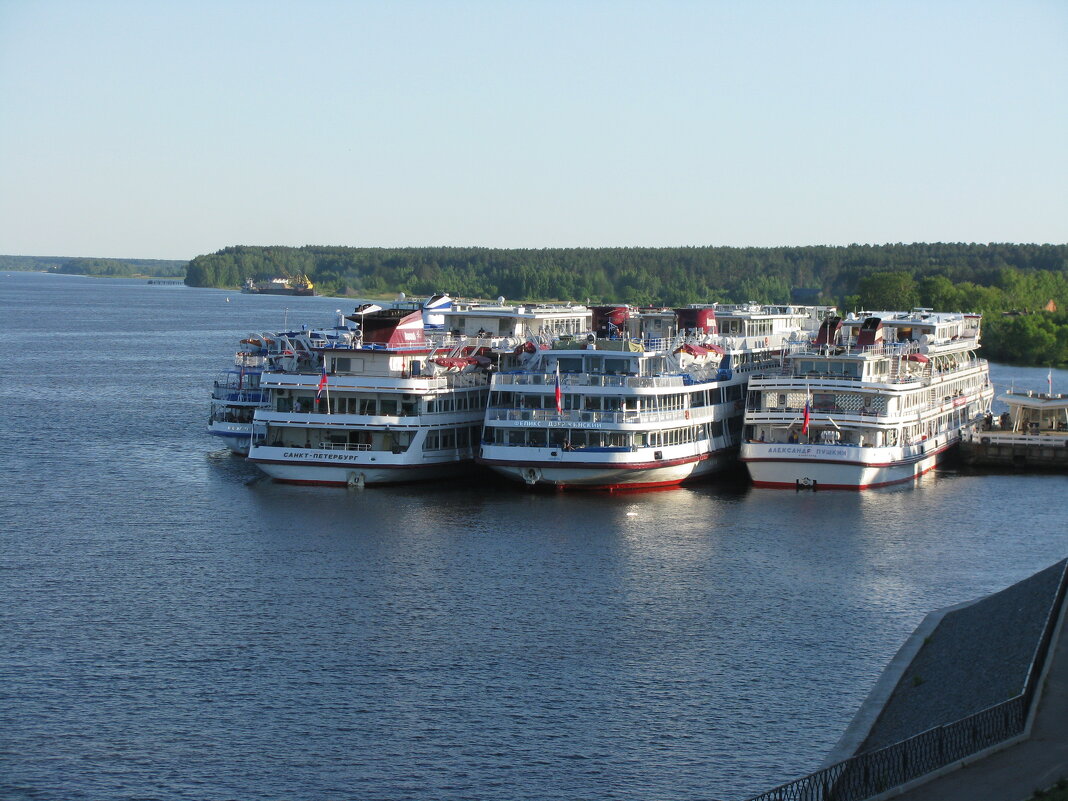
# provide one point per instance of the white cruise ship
(385, 402)
(648, 399)
(873, 400)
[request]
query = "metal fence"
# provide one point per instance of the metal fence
(873, 772)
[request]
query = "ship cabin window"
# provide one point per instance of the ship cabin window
(654, 365)
(617, 366)
(387, 407)
(341, 364)
(594, 364)
(570, 364)
(824, 402)
(830, 367)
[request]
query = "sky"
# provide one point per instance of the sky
(172, 129)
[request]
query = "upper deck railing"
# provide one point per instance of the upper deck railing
(357, 382)
(816, 378)
(522, 378)
(579, 417)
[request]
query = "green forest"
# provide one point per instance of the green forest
(112, 268)
(997, 280)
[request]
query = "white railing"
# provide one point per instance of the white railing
(587, 380)
(815, 379)
(615, 418)
(1048, 439)
(342, 446)
(906, 415)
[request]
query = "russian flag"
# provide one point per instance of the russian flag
(804, 422)
(322, 385)
(559, 399)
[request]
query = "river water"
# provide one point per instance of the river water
(174, 626)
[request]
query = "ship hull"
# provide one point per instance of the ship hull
(832, 467)
(340, 469)
(575, 474)
(236, 436)
(300, 292)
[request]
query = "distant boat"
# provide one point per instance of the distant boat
(299, 284)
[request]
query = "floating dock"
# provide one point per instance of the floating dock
(1032, 435)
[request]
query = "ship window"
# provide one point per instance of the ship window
(387, 407)
(616, 366)
(557, 437)
(570, 364)
(823, 400)
(342, 365)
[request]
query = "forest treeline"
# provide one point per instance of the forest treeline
(113, 268)
(991, 279)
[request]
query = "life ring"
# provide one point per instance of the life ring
(687, 414)
(767, 341)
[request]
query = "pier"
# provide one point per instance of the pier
(1032, 435)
